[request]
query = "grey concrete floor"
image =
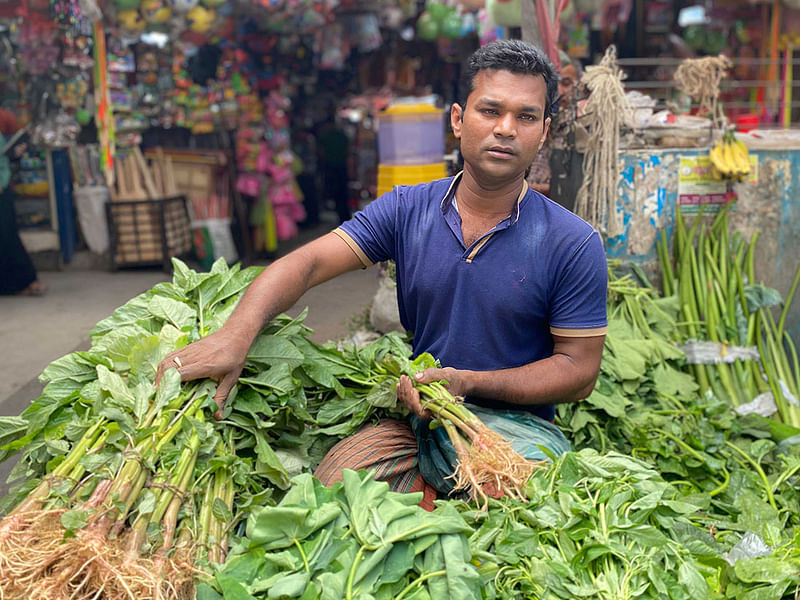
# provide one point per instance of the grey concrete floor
(36, 331)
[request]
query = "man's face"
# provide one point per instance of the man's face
(566, 85)
(503, 125)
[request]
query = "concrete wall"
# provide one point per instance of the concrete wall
(649, 194)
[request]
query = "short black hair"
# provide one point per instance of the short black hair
(514, 56)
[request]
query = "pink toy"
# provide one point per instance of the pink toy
(249, 185)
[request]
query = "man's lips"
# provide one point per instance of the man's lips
(501, 151)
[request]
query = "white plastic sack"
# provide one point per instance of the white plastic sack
(90, 204)
(218, 239)
(384, 316)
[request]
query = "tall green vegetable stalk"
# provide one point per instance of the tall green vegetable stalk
(714, 279)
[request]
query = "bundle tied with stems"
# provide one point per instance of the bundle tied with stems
(700, 79)
(81, 535)
(487, 463)
(604, 111)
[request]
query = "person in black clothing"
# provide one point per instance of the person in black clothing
(333, 145)
(17, 273)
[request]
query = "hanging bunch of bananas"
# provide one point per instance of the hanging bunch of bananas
(730, 160)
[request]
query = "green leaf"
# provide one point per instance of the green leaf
(274, 527)
(72, 520)
(133, 311)
(274, 349)
(691, 579)
(221, 511)
(116, 387)
(461, 579)
(766, 569)
(179, 314)
(672, 382)
(277, 378)
(269, 465)
(168, 389)
(203, 591)
(232, 589)
(290, 586)
(383, 395)
(147, 502)
(398, 562)
(613, 405)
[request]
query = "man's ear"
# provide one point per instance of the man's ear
(545, 132)
(456, 118)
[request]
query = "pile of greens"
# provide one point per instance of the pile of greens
(355, 539)
(141, 484)
(607, 526)
(126, 491)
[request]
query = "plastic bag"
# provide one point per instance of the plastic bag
(526, 432)
(384, 315)
(90, 204)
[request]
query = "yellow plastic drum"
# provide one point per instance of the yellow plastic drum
(392, 175)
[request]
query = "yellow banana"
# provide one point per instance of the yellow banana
(728, 165)
(715, 155)
(743, 156)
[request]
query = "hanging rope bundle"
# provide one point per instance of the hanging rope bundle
(700, 79)
(605, 109)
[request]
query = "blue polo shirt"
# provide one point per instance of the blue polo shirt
(492, 305)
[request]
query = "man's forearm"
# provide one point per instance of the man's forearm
(274, 291)
(548, 381)
(283, 282)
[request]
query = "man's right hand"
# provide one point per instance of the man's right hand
(220, 357)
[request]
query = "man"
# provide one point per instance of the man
(333, 150)
(555, 153)
(505, 287)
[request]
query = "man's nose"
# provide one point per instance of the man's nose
(505, 125)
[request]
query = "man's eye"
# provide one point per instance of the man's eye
(489, 111)
(527, 117)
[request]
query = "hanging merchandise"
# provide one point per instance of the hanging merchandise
(183, 6)
(488, 30)
(506, 13)
(335, 47)
(604, 111)
(127, 4)
(104, 117)
(156, 12)
(131, 23)
(201, 19)
(427, 26)
(39, 48)
(452, 25)
(365, 29)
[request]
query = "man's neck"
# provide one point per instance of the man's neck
(487, 201)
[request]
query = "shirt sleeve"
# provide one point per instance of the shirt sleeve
(371, 231)
(578, 306)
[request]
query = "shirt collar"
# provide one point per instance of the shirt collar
(450, 196)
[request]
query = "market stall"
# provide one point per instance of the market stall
(251, 81)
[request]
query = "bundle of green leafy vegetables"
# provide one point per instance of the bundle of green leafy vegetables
(125, 490)
(355, 539)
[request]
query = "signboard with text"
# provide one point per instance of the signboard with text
(697, 187)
